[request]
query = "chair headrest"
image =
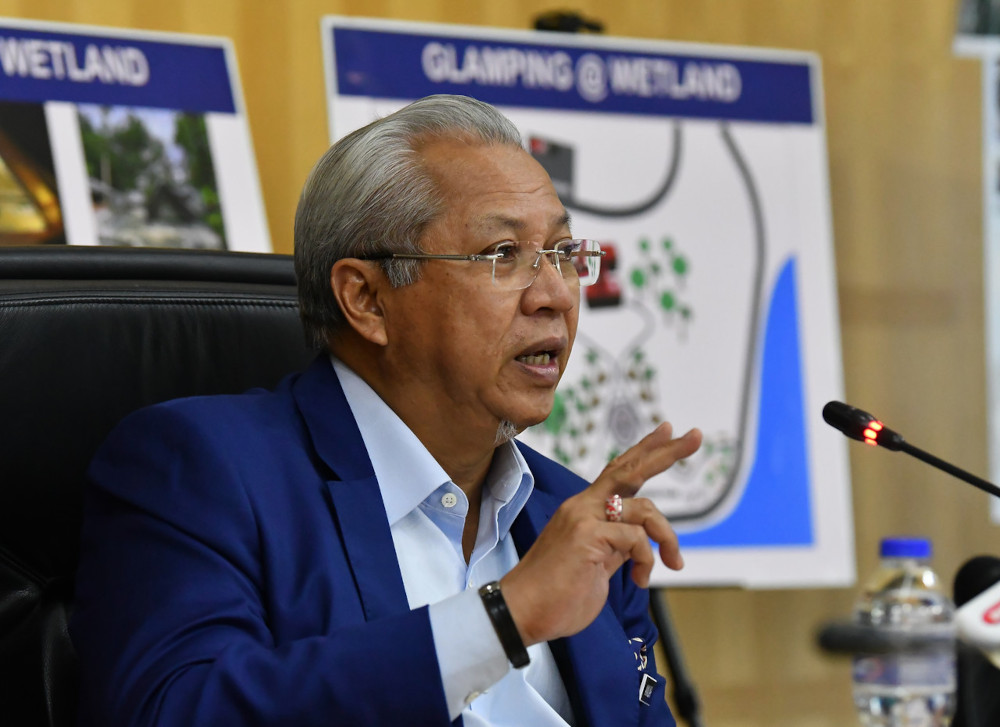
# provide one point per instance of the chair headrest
(88, 335)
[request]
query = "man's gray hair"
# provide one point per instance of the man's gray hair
(370, 194)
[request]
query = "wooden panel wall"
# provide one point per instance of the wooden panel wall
(904, 136)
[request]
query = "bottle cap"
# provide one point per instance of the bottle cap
(901, 547)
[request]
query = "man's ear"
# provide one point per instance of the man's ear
(358, 286)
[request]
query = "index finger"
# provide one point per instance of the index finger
(653, 454)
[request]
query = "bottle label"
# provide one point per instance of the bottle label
(926, 669)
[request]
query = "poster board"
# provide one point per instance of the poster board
(987, 48)
(702, 171)
(127, 138)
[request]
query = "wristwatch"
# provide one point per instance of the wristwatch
(503, 624)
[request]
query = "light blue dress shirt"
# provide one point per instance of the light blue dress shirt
(426, 513)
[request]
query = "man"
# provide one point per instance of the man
(366, 545)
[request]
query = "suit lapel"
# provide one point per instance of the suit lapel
(596, 664)
(358, 511)
(605, 672)
(593, 664)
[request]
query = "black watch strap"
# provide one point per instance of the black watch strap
(503, 624)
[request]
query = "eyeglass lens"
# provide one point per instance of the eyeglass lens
(575, 264)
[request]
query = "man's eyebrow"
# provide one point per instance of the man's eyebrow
(565, 220)
(500, 221)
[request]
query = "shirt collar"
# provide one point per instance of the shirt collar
(405, 470)
(408, 474)
(510, 482)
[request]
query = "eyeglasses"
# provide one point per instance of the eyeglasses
(515, 265)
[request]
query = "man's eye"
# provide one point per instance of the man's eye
(567, 248)
(507, 251)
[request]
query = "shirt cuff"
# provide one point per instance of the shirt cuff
(469, 653)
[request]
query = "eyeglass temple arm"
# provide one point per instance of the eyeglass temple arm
(578, 253)
(433, 256)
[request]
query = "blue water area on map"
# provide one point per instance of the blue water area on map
(774, 509)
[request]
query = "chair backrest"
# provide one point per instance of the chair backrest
(88, 335)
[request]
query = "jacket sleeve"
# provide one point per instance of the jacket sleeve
(173, 621)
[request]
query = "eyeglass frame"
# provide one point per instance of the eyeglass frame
(493, 257)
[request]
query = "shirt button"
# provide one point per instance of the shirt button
(449, 499)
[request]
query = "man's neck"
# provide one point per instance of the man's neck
(464, 452)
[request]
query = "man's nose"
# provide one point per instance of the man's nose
(550, 283)
(539, 266)
(552, 255)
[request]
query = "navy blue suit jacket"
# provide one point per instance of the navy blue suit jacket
(237, 569)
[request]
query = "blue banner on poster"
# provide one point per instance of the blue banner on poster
(390, 64)
(38, 66)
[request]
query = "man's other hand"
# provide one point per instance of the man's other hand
(561, 583)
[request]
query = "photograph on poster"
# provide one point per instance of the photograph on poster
(978, 17)
(151, 177)
(29, 202)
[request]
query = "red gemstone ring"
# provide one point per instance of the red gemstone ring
(613, 508)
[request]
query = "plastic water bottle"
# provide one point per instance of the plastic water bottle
(913, 688)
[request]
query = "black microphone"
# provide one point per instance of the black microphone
(847, 637)
(974, 577)
(860, 425)
(864, 427)
(978, 575)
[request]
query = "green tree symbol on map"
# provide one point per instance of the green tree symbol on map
(611, 406)
(720, 454)
(661, 274)
(606, 410)
(572, 418)
(615, 401)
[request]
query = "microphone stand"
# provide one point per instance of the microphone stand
(950, 469)
(684, 693)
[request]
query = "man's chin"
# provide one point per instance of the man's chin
(529, 420)
(526, 411)
(507, 431)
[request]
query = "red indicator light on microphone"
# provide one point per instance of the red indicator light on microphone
(871, 432)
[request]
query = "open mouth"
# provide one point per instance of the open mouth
(543, 352)
(536, 359)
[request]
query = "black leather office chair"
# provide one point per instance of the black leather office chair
(88, 335)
